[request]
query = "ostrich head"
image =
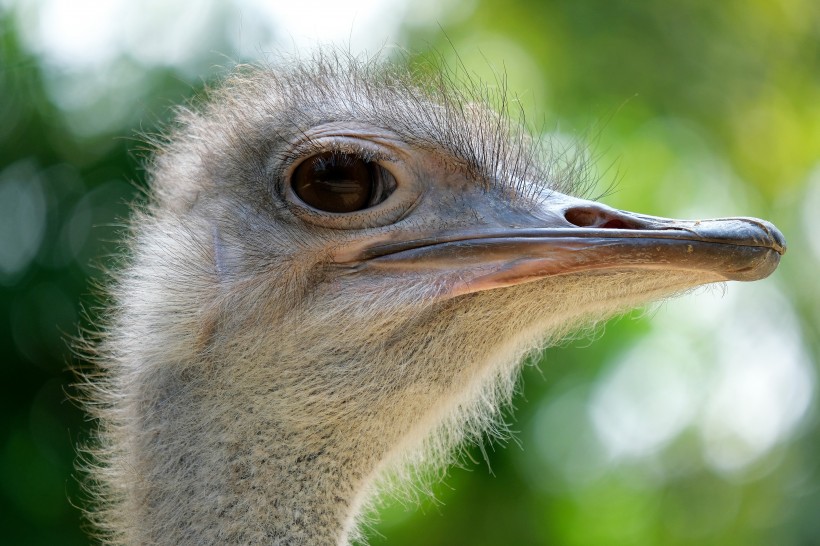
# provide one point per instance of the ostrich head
(337, 274)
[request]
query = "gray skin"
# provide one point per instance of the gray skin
(263, 363)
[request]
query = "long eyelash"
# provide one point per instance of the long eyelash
(338, 159)
(338, 149)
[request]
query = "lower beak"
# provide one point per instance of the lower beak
(471, 260)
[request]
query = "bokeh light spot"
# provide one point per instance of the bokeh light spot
(22, 219)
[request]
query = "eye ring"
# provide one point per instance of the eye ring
(393, 192)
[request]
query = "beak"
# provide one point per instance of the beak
(574, 236)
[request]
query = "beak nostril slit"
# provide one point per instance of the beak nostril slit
(594, 218)
(615, 223)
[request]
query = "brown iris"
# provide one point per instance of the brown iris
(336, 182)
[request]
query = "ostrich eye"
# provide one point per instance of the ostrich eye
(338, 182)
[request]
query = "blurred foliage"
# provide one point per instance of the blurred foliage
(704, 108)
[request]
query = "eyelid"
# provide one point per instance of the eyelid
(342, 144)
(389, 159)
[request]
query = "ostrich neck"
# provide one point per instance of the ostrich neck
(234, 468)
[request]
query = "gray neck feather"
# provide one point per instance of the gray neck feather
(239, 473)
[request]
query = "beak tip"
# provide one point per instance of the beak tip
(773, 236)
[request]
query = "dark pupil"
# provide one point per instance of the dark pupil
(334, 182)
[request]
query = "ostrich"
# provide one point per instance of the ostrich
(336, 277)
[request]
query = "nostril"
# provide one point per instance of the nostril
(581, 217)
(598, 218)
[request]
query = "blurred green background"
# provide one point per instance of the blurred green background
(694, 423)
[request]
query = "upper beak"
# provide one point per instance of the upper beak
(573, 236)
